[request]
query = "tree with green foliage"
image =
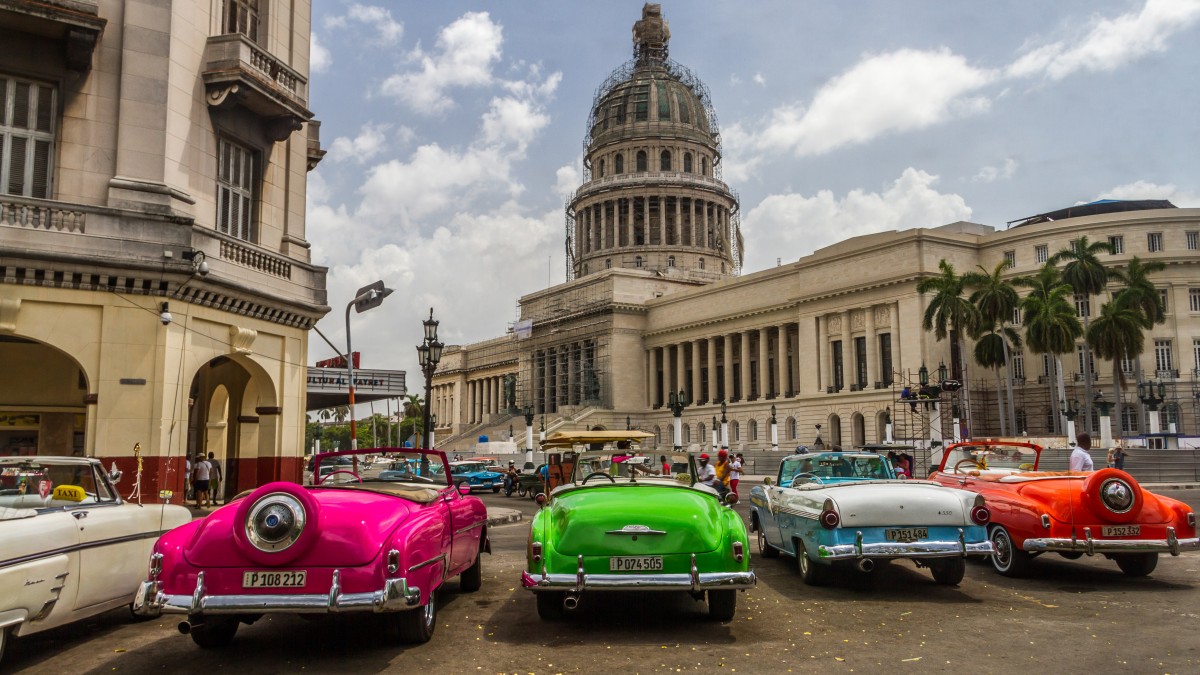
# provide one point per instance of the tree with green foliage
(996, 298)
(1088, 277)
(950, 313)
(1051, 324)
(1116, 333)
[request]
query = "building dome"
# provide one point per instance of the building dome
(652, 196)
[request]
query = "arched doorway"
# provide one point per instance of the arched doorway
(835, 431)
(51, 417)
(881, 422)
(858, 430)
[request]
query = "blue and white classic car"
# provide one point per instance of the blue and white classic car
(849, 508)
(476, 475)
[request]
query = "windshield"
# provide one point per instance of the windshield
(33, 483)
(469, 467)
(825, 467)
(392, 466)
(974, 457)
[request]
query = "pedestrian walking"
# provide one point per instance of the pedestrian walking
(666, 466)
(1080, 459)
(1116, 457)
(201, 473)
(735, 473)
(217, 477)
(721, 467)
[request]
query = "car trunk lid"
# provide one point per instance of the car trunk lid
(636, 520)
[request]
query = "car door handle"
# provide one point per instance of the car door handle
(80, 515)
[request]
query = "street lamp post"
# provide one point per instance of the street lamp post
(1146, 393)
(1070, 410)
(433, 431)
(716, 429)
(528, 435)
(429, 352)
(677, 402)
(724, 428)
(368, 297)
(774, 431)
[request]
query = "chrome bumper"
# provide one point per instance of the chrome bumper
(396, 595)
(692, 581)
(1091, 546)
(894, 549)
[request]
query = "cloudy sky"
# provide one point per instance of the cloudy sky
(454, 131)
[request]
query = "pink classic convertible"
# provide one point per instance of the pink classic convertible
(359, 540)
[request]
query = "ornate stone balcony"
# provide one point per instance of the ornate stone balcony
(76, 22)
(651, 179)
(239, 72)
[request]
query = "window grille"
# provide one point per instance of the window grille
(1154, 242)
(1193, 240)
(237, 176)
(1194, 299)
(241, 16)
(1041, 253)
(664, 161)
(1162, 355)
(1117, 243)
(27, 127)
(1010, 257)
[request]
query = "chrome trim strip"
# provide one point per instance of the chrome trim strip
(796, 512)
(427, 563)
(625, 530)
(918, 549)
(1171, 544)
(396, 595)
(80, 547)
(692, 581)
(469, 527)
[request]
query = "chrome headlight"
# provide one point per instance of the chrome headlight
(1117, 495)
(275, 522)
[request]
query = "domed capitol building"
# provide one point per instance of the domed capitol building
(657, 314)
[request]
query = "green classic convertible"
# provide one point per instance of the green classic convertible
(611, 523)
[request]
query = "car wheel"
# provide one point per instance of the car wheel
(416, 626)
(813, 574)
(721, 605)
(472, 578)
(1007, 558)
(948, 571)
(521, 492)
(1136, 564)
(550, 605)
(1071, 555)
(215, 632)
(495, 489)
(764, 549)
(461, 483)
(5, 636)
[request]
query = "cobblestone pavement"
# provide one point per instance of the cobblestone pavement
(1070, 616)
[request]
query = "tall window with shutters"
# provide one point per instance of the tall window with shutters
(237, 180)
(241, 16)
(27, 127)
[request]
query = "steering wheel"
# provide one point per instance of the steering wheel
(323, 479)
(597, 473)
(807, 474)
(961, 462)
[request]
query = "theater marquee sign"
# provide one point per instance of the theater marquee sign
(327, 386)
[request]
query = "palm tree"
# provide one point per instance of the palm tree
(1117, 333)
(1051, 324)
(1143, 294)
(1088, 276)
(414, 407)
(996, 299)
(991, 351)
(949, 312)
(340, 413)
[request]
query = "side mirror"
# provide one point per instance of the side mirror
(768, 482)
(731, 499)
(114, 474)
(464, 489)
(540, 499)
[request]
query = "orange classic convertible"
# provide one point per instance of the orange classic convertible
(1071, 513)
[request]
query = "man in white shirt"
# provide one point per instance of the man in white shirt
(705, 473)
(1080, 459)
(201, 473)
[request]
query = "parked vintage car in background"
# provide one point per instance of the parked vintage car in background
(351, 543)
(1066, 512)
(848, 508)
(70, 547)
(611, 525)
(476, 475)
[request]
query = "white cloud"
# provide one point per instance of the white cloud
(1111, 43)
(760, 80)
(989, 174)
(370, 141)
(513, 122)
(466, 51)
(567, 178)
(793, 225)
(1145, 190)
(387, 30)
(319, 57)
(886, 93)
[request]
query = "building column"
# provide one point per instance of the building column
(781, 367)
(872, 361)
(744, 366)
(651, 372)
(728, 354)
(548, 381)
(695, 394)
(894, 329)
(823, 351)
(666, 373)
(849, 367)
(680, 366)
(764, 381)
(711, 393)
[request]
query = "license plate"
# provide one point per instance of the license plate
(487, 483)
(1121, 530)
(635, 563)
(293, 579)
(907, 534)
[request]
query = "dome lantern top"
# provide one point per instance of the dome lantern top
(650, 35)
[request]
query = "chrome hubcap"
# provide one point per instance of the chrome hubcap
(1001, 544)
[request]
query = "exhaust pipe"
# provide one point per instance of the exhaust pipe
(866, 565)
(186, 627)
(570, 602)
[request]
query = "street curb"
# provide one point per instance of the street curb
(498, 516)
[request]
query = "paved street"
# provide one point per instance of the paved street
(1069, 617)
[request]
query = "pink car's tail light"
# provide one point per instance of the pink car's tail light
(275, 522)
(155, 565)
